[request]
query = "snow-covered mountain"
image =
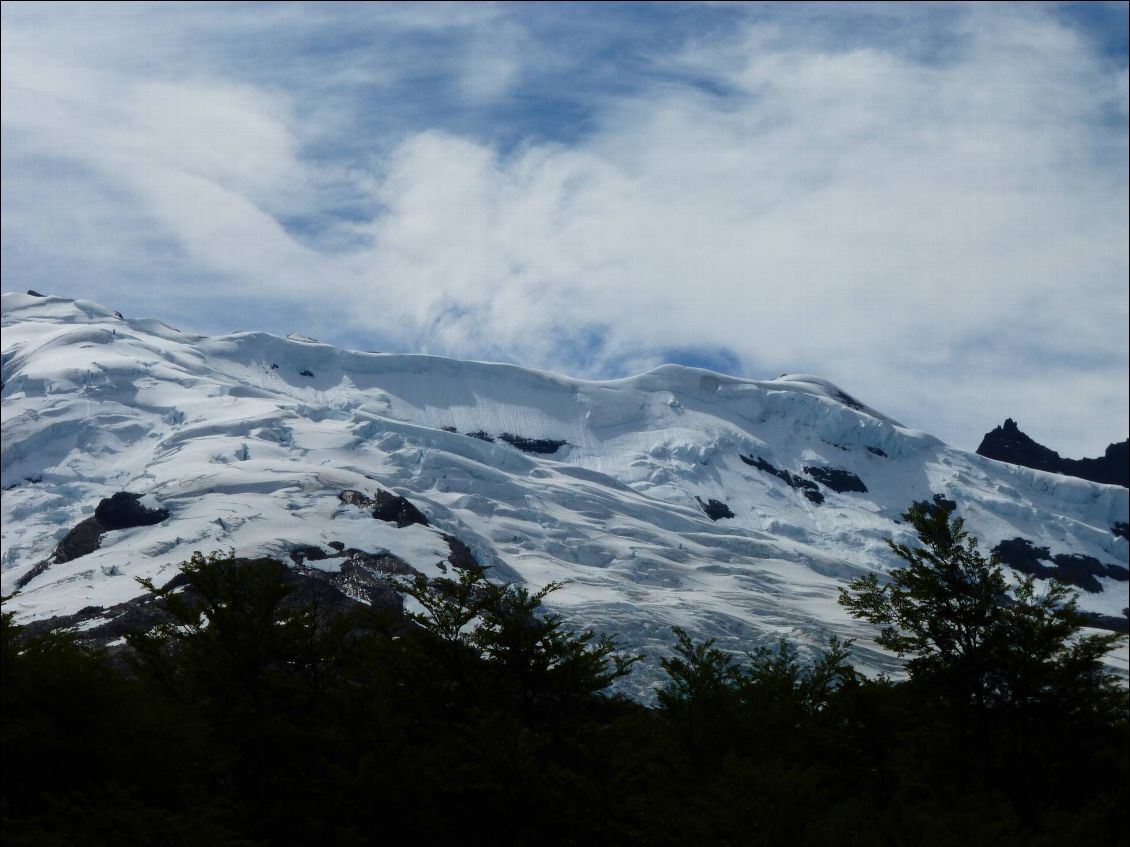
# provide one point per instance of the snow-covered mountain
(731, 507)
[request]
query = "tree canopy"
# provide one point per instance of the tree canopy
(965, 626)
(258, 715)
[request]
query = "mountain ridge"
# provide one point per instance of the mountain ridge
(244, 450)
(1006, 443)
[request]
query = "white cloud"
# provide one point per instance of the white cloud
(948, 239)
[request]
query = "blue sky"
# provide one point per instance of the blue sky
(925, 203)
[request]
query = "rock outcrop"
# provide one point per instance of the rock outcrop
(1072, 568)
(1007, 443)
(119, 511)
(716, 510)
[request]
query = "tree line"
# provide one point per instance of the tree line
(248, 720)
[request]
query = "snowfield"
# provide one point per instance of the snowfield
(248, 440)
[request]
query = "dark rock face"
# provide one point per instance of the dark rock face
(352, 497)
(1114, 623)
(386, 506)
(307, 553)
(305, 373)
(372, 563)
(482, 436)
(360, 584)
(140, 613)
(337, 593)
(1075, 569)
(1021, 555)
(123, 511)
(378, 563)
(849, 401)
(33, 573)
(943, 502)
(1113, 468)
(363, 577)
(461, 556)
(395, 509)
(877, 451)
(31, 292)
(120, 511)
(1007, 443)
(85, 537)
(837, 479)
(715, 509)
(329, 593)
(806, 486)
(533, 445)
(1121, 529)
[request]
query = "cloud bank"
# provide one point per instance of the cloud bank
(927, 206)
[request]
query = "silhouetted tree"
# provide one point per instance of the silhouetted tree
(1017, 690)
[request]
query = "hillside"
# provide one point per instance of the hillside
(622, 488)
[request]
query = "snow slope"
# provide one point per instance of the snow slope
(247, 440)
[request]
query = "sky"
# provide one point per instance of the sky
(925, 203)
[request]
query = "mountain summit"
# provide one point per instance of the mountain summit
(733, 508)
(1007, 443)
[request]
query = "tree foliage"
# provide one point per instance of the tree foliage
(506, 626)
(1016, 690)
(256, 715)
(954, 612)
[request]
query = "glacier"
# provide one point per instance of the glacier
(248, 440)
